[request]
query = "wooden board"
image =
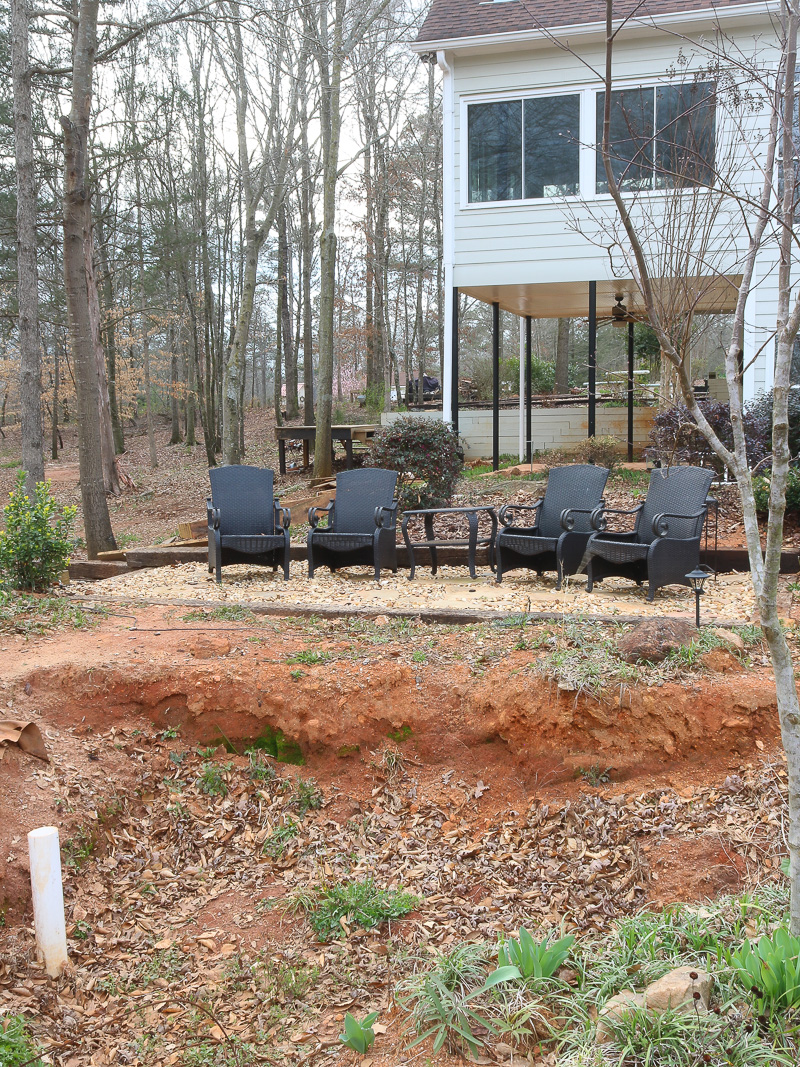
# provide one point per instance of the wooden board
(94, 570)
(188, 531)
(116, 556)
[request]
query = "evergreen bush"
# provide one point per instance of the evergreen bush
(428, 457)
(35, 545)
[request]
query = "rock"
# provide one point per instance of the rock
(614, 1010)
(654, 639)
(729, 637)
(721, 660)
(208, 647)
(677, 989)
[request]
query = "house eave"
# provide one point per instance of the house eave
(507, 41)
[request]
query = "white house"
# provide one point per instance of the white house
(527, 217)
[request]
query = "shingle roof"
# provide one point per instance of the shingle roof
(452, 19)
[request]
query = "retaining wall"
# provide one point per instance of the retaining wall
(551, 428)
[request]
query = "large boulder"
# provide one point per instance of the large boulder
(652, 641)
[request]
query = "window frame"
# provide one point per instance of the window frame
(587, 137)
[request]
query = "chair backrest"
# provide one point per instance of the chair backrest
(581, 486)
(676, 491)
(358, 493)
(244, 498)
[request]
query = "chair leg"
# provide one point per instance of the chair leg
(219, 569)
(589, 578)
(651, 592)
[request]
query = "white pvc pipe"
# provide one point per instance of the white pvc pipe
(48, 898)
(522, 354)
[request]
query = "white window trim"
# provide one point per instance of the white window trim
(587, 157)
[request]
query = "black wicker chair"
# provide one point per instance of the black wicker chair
(246, 524)
(665, 542)
(557, 538)
(362, 523)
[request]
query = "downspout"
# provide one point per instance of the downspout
(448, 178)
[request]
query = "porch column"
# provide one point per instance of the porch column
(495, 386)
(592, 356)
(630, 392)
(453, 366)
(528, 376)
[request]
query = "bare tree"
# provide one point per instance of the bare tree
(30, 373)
(763, 214)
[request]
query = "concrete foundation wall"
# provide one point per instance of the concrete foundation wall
(551, 428)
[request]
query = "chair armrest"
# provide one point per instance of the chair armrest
(568, 516)
(314, 514)
(213, 514)
(505, 513)
(283, 516)
(381, 513)
(598, 518)
(661, 526)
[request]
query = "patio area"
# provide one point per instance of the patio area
(729, 597)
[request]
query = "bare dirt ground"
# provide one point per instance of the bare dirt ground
(442, 762)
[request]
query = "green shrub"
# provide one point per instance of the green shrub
(16, 1049)
(761, 492)
(359, 1036)
(428, 457)
(361, 904)
(35, 545)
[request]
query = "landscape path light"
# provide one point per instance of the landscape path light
(697, 579)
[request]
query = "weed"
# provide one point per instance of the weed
(307, 795)
(211, 779)
(296, 674)
(392, 762)
(16, 1048)
(333, 909)
(401, 735)
(594, 775)
(259, 770)
(82, 930)
(276, 842)
(177, 758)
(770, 968)
(275, 743)
(29, 615)
(173, 785)
(309, 656)
(418, 656)
(124, 539)
(169, 734)
(75, 851)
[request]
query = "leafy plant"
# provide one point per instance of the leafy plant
(428, 457)
(595, 775)
(76, 850)
(534, 959)
(761, 491)
(16, 1049)
(212, 779)
(359, 1036)
(259, 770)
(770, 967)
(308, 656)
(35, 545)
(602, 450)
(362, 904)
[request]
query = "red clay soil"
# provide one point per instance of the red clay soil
(499, 722)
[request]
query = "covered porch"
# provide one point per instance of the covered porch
(616, 301)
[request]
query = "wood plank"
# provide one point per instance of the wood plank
(164, 556)
(94, 570)
(115, 556)
(187, 531)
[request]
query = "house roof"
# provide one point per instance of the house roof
(454, 19)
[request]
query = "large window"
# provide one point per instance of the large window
(658, 138)
(529, 145)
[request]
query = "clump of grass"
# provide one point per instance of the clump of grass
(594, 775)
(225, 613)
(75, 851)
(28, 615)
(309, 656)
(332, 909)
(259, 770)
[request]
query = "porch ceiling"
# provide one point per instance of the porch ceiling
(570, 300)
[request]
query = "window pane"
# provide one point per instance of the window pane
(495, 151)
(551, 146)
(686, 119)
(630, 140)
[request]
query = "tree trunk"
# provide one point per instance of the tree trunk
(289, 352)
(54, 437)
(77, 237)
(111, 344)
(110, 475)
(30, 371)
